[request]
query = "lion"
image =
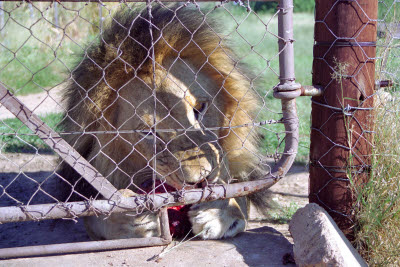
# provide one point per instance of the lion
(166, 101)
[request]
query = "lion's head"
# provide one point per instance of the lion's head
(178, 109)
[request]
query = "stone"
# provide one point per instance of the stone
(319, 242)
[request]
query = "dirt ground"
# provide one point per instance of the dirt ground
(265, 243)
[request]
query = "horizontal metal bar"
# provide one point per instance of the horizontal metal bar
(151, 201)
(16, 252)
(311, 90)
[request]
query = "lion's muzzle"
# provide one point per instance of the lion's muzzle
(200, 164)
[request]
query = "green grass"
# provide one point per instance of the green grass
(35, 55)
(33, 59)
(284, 214)
(28, 71)
(16, 137)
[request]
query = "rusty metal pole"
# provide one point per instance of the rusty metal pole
(342, 119)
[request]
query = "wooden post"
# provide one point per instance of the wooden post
(342, 118)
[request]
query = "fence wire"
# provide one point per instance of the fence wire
(156, 97)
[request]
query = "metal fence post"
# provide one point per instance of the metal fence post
(288, 89)
(342, 119)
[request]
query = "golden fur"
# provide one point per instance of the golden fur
(197, 85)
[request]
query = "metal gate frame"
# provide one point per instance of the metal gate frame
(287, 91)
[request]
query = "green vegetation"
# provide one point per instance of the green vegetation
(284, 214)
(34, 53)
(388, 10)
(16, 137)
(304, 5)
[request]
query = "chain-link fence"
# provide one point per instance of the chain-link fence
(148, 106)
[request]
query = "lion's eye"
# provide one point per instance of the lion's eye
(199, 110)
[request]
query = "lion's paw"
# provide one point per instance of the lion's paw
(218, 219)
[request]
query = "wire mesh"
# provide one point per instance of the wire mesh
(155, 98)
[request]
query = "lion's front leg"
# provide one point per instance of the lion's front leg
(219, 219)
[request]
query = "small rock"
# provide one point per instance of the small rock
(319, 242)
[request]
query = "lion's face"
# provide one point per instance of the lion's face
(187, 103)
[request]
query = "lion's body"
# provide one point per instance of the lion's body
(197, 87)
